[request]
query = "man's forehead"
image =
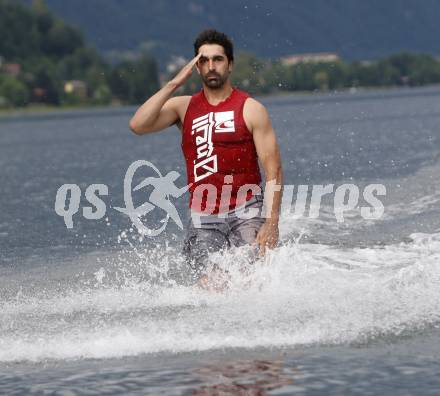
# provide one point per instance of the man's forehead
(209, 50)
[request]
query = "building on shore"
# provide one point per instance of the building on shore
(14, 69)
(316, 57)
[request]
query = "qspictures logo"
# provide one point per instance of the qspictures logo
(164, 190)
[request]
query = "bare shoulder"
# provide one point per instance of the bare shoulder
(254, 113)
(179, 102)
(180, 105)
(180, 99)
(253, 104)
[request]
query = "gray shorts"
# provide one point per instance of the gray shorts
(214, 233)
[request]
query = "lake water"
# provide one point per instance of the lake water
(347, 307)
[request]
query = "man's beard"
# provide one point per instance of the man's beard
(216, 83)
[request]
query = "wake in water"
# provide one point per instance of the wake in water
(299, 294)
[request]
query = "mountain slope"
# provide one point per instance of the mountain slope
(355, 29)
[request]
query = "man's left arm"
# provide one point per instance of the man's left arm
(257, 118)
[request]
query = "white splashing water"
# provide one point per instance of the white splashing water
(301, 294)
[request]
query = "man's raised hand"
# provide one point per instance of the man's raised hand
(186, 72)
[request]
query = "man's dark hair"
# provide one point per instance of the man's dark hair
(212, 36)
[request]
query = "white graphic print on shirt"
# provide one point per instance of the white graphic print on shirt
(203, 127)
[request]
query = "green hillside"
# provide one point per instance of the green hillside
(45, 60)
(48, 60)
(355, 29)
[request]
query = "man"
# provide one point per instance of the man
(224, 134)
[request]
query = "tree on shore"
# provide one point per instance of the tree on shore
(50, 53)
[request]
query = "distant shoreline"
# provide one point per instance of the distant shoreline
(44, 110)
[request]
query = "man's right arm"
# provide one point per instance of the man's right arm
(158, 112)
(161, 110)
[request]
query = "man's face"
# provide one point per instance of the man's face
(213, 65)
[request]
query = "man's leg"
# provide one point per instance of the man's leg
(200, 242)
(244, 231)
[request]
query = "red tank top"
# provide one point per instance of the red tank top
(216, 143)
